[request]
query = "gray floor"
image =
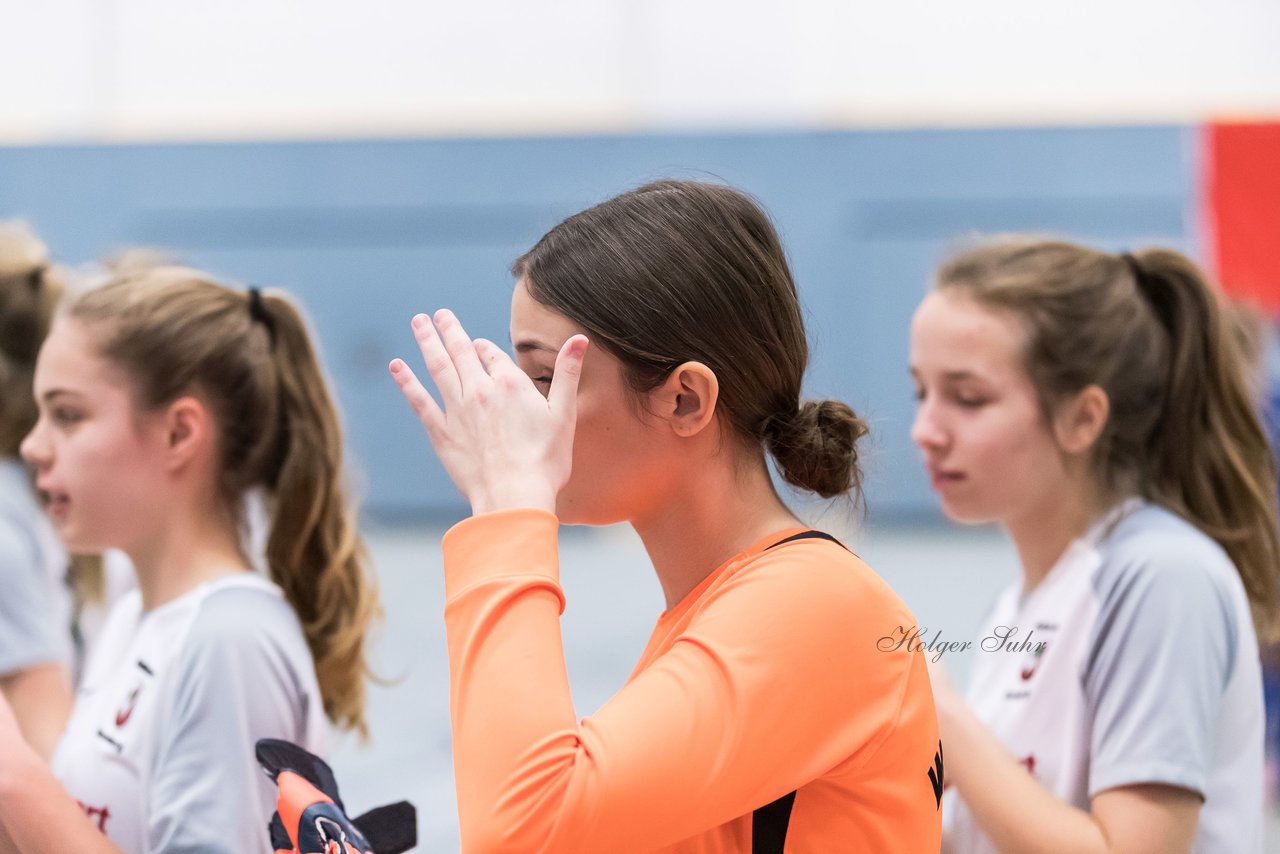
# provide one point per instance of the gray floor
(947, 576)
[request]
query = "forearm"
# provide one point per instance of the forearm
(1012, 808)
(37, 814)
(514, 725)
(40, 697)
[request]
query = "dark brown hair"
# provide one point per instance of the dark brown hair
(1151, 331)
(175, 331)
(678, 271)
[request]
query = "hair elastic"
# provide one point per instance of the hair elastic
(1139, 275)
(258, 311)
(1160, 299)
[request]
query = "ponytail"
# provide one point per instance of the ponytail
(1209, 460)
(314, 551)
(174, 330)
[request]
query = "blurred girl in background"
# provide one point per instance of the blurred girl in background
(1095, 405)
(34, 649)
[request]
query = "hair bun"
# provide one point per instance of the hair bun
(817, 447)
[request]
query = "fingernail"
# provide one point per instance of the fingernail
(443, 315)
(419, 319)
(395, 366)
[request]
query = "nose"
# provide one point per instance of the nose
(927, 430)
(35, 447)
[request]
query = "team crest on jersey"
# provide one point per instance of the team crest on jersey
(112, 735)
(126, 711)
(1037, 653)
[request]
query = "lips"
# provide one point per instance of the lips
(941, 478)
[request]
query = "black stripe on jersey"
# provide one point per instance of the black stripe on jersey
(808, 535)
(769, 826)
(147, 670)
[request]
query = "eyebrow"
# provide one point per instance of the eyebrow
(961, 375)
(53, 393)
(533, 345)
(952, 376)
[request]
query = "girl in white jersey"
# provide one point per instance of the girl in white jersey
(1094, 405)
(164, 398)
(33, 643)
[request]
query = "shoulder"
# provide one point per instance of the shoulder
(243, 614)
(243, 641)
(1162, 584)
(20, 514)
(1154, 548)
(16, 493)
(822, 584)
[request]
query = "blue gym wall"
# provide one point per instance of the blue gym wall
(367, 233)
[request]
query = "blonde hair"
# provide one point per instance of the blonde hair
(29, 293)
(1151, 331)
(176, 331)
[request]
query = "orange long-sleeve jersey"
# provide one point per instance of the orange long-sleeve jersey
(767, 713)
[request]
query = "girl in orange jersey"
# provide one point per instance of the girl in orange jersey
(165, 399)
(1094, 405)
(762, 716)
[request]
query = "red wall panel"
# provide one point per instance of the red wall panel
(1243, 195)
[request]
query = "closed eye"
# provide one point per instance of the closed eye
(65, 417)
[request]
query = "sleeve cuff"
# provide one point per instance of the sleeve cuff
(501, 544)
(1147, 773)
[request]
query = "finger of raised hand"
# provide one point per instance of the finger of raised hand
(496, 361)
(461, 349)
(563, 395)
(438, 362)
(487, 352)
(420, 400)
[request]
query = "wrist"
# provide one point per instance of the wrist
(514, 493)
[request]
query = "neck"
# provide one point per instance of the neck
(188, 549)
(716, 514)
(1043, 531)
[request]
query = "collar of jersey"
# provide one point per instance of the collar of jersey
(755, 549)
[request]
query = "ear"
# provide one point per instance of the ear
(687, 398)
(1080, 419)
(188, 430)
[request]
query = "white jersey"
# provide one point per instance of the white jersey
(1134, 661)
(160, 747)
(34, 610)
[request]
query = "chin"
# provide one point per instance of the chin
(77, 543)
(967, 514)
